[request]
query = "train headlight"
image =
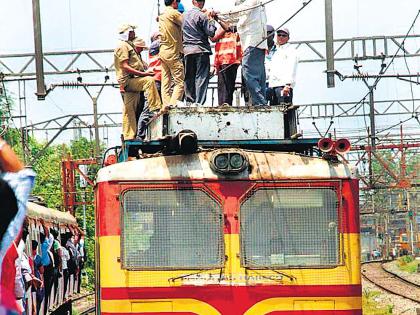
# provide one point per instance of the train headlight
(221, 161)
(236, 161)
(228, 162)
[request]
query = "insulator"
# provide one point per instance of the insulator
(71, 85)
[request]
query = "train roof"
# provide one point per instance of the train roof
(35, 211)
(262, 166)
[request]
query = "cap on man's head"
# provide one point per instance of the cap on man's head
(155, 36)
(283, 30)
(126, 27)
(139, 42)
(270, 28)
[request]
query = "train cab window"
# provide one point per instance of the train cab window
(290, 227)
(171, 229)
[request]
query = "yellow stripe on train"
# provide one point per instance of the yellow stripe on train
(305, 304)
(113, 276)
(202, 308)
(158, 306)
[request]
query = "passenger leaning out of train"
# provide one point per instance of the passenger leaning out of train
(281, 74)
(133, 77)
(15, 186)
(47, 260)
(37, 290)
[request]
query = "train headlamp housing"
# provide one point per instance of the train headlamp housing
(229, 162)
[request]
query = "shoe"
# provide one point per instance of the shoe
(181, 104)
(290, 107)
(296, 136)
(164, 110)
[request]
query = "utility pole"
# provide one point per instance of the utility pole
(413, 230)
(329, 43)
(95, 122)
(372, 116)
(39, 55)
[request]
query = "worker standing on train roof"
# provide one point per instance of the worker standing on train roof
(133, 79)
(252, 29)
(143, 111)
(197, 27)
(228, 57)
(281, 74)
(170, 53)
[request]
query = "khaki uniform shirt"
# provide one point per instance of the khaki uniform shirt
(170, 23)
(126, 52)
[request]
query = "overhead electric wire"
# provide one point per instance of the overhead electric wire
(383, 71)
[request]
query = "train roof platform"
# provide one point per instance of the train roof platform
(251, 128)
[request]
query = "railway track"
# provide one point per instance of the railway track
(85, 309)
(90, 310)
(390, 282)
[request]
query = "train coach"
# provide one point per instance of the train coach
(62, 222)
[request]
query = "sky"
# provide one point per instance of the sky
(92, 24)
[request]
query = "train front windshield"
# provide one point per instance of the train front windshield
(279, 227)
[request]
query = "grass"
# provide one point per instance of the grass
(371, 306)
(408, 264)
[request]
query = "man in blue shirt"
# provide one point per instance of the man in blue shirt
(47, 261)
(197, 27)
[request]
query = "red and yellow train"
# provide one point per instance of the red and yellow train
(228, 231)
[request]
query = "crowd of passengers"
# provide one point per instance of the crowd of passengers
(46, 275)
(40, 267)
(178, 70)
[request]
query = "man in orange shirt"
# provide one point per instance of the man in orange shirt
(228, 57)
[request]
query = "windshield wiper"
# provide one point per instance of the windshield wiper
(273, 269)
(196, 273)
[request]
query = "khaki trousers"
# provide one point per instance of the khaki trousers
(133, 88)
(172, 72)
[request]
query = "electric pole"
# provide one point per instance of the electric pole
(39, 55)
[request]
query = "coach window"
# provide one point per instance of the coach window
(171, 229)
(290, 227)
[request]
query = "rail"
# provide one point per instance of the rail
(375, 273)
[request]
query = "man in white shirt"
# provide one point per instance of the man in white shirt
(252, 30)
(281, 74)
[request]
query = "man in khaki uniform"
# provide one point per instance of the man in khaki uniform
(170, 23)
(133, 79)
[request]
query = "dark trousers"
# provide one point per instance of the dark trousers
(48, 282)
(55, 279)
(66, 278)
(197, 76)
(226, 83)
(143, 116)
(290, 120)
